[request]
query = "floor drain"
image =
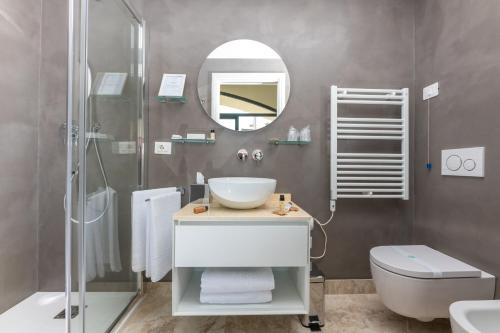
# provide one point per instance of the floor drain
(74, 313)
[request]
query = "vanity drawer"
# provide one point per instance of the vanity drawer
(241, 246)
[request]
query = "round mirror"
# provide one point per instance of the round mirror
(243, 85)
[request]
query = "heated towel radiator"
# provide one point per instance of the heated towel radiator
(375, 173)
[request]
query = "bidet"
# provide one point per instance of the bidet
(475, 316)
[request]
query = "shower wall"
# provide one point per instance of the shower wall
(52, 151)
(20, 37)
(104, 29)
(32, 151)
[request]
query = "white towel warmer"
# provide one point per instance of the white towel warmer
(371, 174)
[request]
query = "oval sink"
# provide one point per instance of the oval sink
(242, 192)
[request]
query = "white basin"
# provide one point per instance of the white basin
(242, 192)
(475, 316)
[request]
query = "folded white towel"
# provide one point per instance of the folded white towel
(160, 212)
(139, 225)
(254, 297)
(237, 280)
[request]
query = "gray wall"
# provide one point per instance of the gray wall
(52, 151)
(355, 43)
(458, 44)
(19, 85)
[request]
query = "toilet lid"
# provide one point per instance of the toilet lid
(420, 261)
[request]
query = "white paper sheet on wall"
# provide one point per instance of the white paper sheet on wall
(110, 84)
(172, 85)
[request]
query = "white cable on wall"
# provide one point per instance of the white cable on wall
(428, 164)
(322, 226)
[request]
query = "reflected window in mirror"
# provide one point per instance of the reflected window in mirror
(243, 85)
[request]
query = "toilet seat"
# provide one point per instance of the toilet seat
(420, 261)
(419, 282)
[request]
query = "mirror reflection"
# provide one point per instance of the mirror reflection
(243, 85)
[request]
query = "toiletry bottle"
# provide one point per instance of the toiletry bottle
(282, 203)
(293, 134)
(212, 134)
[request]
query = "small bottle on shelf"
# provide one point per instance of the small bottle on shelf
(212, 135)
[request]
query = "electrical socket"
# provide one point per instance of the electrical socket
(163, 148)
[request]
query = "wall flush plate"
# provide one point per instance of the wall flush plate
(163, 148)
(431, 91)
(465, 162)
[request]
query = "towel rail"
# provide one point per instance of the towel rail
(369, 120)
(372, 190)
(371, 196)
(369, 155)
(372, 178)
(365, 131)
(369, 137)
(371, 96)
(370, 174)
(361, 125)
(373, 102)
(370, 184)
(177, 189)
(342, 172)
(369, 167)
(355, 160)
(371, 91)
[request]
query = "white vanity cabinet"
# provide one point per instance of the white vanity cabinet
(223, 237)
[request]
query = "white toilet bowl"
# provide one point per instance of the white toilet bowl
(419, 282)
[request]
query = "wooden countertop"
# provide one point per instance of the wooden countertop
(216, 212)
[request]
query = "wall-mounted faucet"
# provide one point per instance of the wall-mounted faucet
(242, 155)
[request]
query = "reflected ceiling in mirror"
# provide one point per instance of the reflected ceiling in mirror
(243, 85)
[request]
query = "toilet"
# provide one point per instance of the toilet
(419, 282)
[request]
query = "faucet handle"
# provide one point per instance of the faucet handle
(257, 155)
(242, 155)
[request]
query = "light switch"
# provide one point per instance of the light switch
(431, 91)
(465, 162)
(163, 148)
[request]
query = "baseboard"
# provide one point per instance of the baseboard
(349, 286)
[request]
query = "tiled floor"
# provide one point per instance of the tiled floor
(344, 314)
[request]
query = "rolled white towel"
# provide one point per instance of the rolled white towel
(237, 280)
(254, 297)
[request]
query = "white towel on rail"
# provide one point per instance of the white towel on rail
(102, 244)
(253, 297)
(160, 211)
(139, 225)
(237, 279)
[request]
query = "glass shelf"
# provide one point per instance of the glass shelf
(201, 141)
(171, 99)
(286, 142)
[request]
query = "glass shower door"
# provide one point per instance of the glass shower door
(110, 163)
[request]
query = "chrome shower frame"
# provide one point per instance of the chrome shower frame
(73, 96)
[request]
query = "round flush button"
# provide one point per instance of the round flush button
(469, 164)
(454, 162)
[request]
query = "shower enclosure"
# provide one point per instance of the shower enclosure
(105, 160)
